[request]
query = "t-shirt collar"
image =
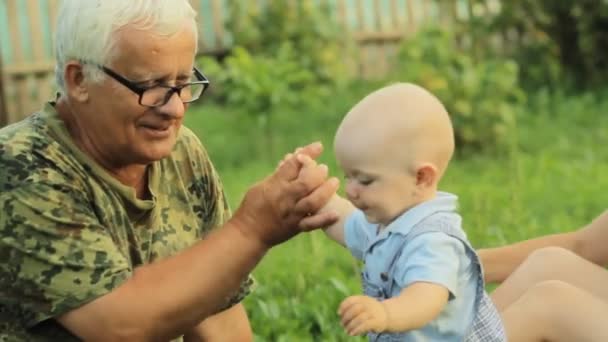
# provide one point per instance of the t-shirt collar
(442, 202)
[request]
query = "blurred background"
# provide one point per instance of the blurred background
(524, 81)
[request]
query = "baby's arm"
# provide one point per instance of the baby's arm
(415, 307)
(343, 208)
(428, 274)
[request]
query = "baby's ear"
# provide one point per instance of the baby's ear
(426, 175)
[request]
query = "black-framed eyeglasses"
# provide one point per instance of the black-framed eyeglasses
(159, 95)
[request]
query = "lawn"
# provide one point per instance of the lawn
(551, 178)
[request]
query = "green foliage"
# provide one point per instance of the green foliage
(481, 96)
(298, 299)
(286, 55)
(569, 32)
(259, 83)
(262, 28)
(262, 85)
(244, 140)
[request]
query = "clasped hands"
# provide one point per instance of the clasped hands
(286, 202)
(359, 314)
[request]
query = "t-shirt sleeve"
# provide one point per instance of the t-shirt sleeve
(431, 257)
(355, 233)
(54, 255)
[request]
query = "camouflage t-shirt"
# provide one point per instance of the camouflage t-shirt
(70, 233)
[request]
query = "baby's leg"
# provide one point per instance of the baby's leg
(552, 263)
(555, 311)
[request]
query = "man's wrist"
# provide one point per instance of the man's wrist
(246, 230)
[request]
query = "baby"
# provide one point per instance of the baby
(422, 279)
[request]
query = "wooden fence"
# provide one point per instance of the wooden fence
(3, 118)
(26, 37)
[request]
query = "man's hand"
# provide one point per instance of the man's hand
(273, 208)
(363, 314)
(331, 214)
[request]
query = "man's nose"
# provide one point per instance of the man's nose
(174, 108)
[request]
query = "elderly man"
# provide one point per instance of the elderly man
(108, 203)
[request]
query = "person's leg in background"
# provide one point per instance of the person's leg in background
(552, 263)
(556, 311)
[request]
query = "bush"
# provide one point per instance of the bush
(262, 28)
(571, 32)
(481, 96)
(286, 56)
(261, 86)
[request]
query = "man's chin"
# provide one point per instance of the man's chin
(150, 155)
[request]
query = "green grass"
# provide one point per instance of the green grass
(550, 179)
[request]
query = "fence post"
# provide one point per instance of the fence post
(3, 112)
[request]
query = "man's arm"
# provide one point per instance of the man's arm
(588, 241)
(231, 325)
(163, 300)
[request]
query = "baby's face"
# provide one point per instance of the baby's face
(381, 189)
(381, 139)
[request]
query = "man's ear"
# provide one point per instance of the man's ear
(426, 175)
(74, 81)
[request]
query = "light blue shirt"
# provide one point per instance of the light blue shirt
(430, 257)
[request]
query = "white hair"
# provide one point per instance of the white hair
(85, 28)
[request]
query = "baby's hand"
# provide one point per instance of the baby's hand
(303, 162)
(363, 314)
(321, 217)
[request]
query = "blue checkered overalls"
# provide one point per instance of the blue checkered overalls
(487, 325)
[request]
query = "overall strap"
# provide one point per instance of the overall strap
(441, 222)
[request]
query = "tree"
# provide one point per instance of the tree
(575, 28)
